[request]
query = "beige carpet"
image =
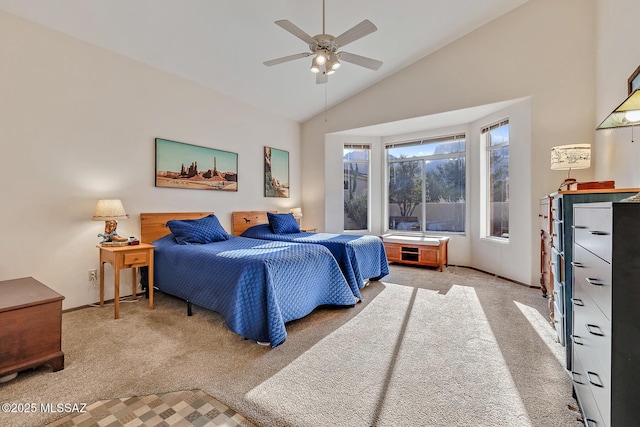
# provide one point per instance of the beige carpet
(424, 348)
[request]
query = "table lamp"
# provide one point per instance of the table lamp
(568, 157)
(110, 211)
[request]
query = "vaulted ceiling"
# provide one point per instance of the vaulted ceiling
(221, 44)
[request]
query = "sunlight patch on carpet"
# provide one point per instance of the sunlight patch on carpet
(400, 359)
(547, 334)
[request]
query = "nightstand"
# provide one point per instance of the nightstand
(121, 257)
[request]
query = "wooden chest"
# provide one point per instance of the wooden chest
(31, 331)
(417, 250)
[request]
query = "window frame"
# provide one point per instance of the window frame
(459, 135)
(486, 180)
(358, 146)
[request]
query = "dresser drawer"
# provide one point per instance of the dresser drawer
(592, 230)
(592, 275)
(136, 258)
(591, 336)
(556, 208)
(584, 395)
(544, 215)
(557, 240)
(558, 297)
(558, 322)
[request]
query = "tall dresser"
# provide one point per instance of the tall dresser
(606, 313)
(562, 253)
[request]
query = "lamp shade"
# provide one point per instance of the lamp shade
(571, 156)
(627, 113)
(296, 212)
(109, 210)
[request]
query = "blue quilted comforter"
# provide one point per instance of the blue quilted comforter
(256, 285)
(360, 257)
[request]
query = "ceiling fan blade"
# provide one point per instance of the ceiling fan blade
(296, 31)
(286, 59)
(363, 61)
(355, 33)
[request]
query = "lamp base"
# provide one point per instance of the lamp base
(110, 233)
(566, 183)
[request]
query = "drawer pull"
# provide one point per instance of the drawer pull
(594, 282)
(577, 339)
(574, 375)
(599, 233)
(577, 264)
(597, 383)
(578, 227)
(590, 423)
(595, 330)
(578, 302)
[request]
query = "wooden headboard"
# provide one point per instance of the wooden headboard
(242, 220)
(154, 225)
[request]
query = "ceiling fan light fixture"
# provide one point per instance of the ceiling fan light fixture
(321, 56)
(315, 65)
(334, 62)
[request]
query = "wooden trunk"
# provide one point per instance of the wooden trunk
(31, 332)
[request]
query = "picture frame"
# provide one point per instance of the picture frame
(276, 172)
(633, 82)
(181, 165)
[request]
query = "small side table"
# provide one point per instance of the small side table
(121, 257)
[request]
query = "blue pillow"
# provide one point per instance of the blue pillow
(283, 223)
(196, 231)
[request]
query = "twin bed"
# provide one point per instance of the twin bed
(361, 258)
(255, 284)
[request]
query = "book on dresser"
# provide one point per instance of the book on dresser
(606, 312)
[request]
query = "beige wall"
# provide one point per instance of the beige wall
(77, 124)
(615, 156)
(543, 51)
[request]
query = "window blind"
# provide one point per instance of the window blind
(494, 126)
(425, 141)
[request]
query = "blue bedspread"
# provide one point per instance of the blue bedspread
(257, 286)
(360, 257)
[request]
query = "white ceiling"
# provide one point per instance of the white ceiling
(221, 44)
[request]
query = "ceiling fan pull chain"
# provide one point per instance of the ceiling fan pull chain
(325, 101)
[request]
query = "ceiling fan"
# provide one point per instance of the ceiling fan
(326, 47)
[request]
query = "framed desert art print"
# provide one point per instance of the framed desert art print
(276, 172)
(180, 165)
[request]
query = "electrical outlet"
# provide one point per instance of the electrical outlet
(93, 275)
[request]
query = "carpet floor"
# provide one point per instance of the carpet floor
(424, 348)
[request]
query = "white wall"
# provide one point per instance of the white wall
(618, 55)
(544, 50)
(508, 259)
(77, 124)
